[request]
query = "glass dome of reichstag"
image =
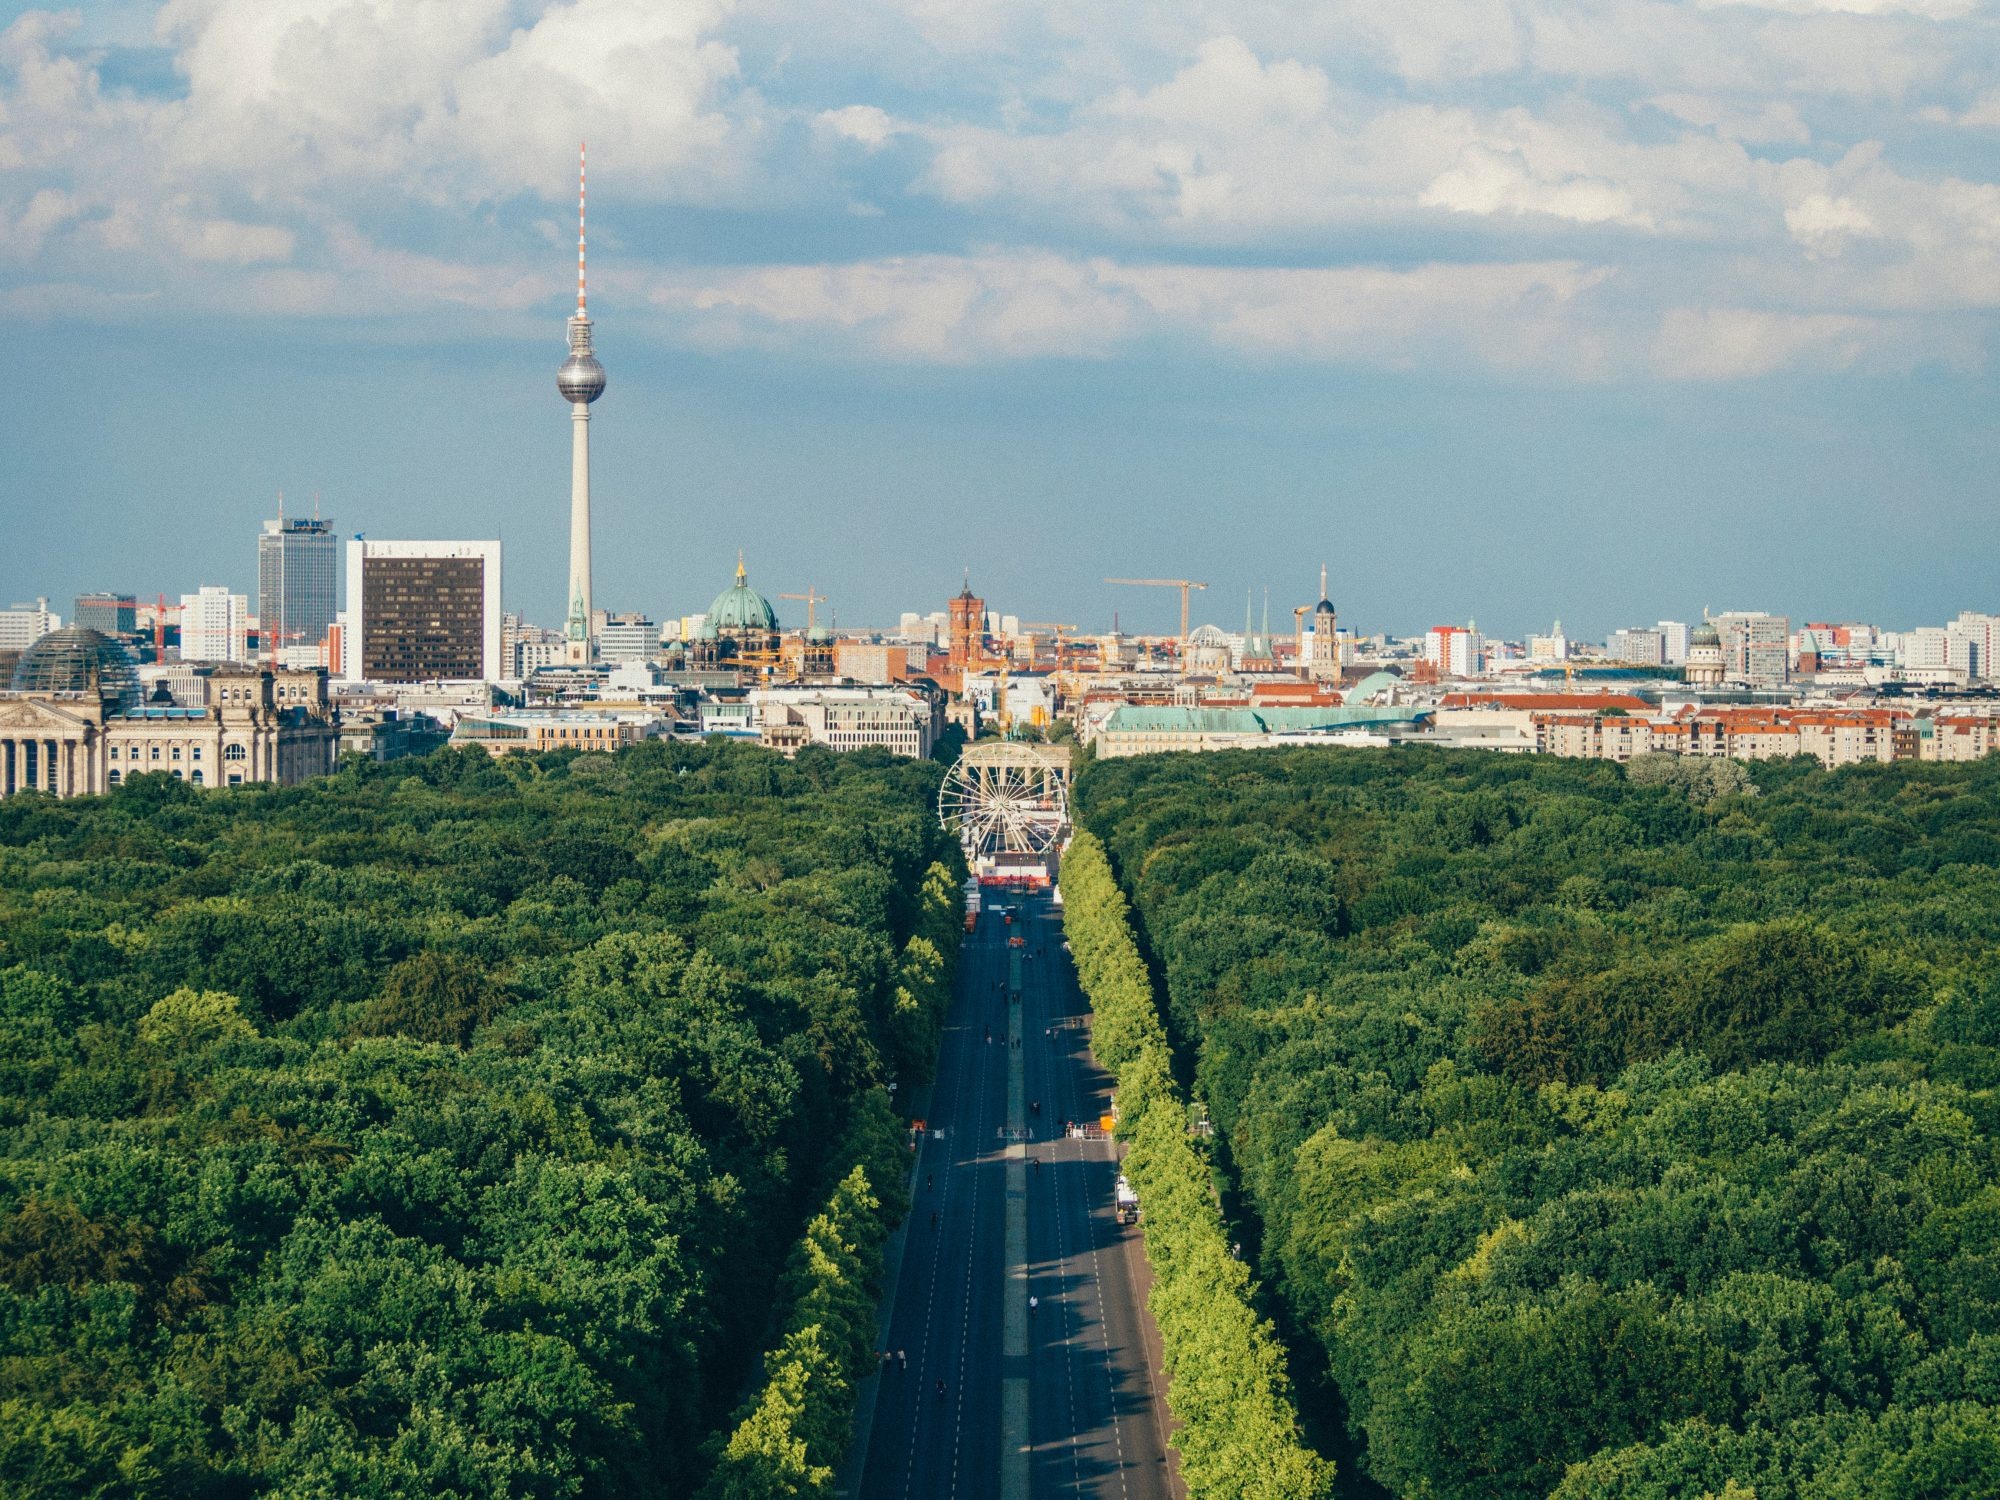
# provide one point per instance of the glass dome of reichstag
(80, 660)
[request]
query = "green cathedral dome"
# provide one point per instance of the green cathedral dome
(740, 608)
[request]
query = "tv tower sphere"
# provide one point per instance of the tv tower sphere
(581, 378)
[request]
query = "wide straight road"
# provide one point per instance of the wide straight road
(1094, 1421)
(1098, 1424)
(945, 1326)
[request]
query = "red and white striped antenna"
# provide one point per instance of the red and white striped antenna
(580, 183)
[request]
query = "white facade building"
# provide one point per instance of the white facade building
(1645, 648)
(628, 638)
(1982, 634)
(845, 719)
(1551, 647)
(1455, 650)
(214, 625)
(1673, 641)
(1030, 700)
(1931, 648)
(24, 624)
(1756, 647)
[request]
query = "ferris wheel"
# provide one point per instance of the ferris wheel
(1005, 797)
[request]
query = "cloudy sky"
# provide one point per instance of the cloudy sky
(1504, 309)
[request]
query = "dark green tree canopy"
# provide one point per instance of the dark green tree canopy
(1606, 1133)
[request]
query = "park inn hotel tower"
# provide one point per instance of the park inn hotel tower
(581, 381)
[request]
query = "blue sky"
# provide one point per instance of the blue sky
(1505, 309)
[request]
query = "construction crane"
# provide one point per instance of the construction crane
(1185, 585)
(812, 599)
(1058, 626)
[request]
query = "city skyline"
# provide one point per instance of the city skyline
(1664, 335)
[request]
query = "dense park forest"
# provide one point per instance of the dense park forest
(1600, 1134)
(457, 1127)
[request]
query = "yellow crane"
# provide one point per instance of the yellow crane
(812, 599)
(1185, 585)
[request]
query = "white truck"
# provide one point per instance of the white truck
(1126, 1201)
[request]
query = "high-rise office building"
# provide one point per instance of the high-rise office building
(1639, 648)
(581, 381)
(1981, 633)
(298, 569)
(1756, 647)
(1455, 650)
(1673, 641)
(422, 612)
(215, 625)
(113, 614)
(24, 624)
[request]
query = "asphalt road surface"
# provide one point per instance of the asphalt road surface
(1096, 1423)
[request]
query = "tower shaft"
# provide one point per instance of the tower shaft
(576, 630)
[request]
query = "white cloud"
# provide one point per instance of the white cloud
(1824, 224)
(1982, 113)
(1031, 304)
(1733, 343)
(1776, 123)
(1579, 186)
(1931, 10)
(449, 98)
(226, 242)
(1228, 90)
(864, 123)
(22, 235)
(1485, 180)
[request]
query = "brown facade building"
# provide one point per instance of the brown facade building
(423, 619)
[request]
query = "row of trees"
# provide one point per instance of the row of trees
(1238, 1432)
(441, 1126)
(1607, 1136)
(790, 1436)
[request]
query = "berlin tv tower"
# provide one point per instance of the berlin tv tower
(581, 381)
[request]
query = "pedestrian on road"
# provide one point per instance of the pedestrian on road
(1037, 1161)
(940, 1388)
(902, 1360)
(1033, 1303)
(933, 1218)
